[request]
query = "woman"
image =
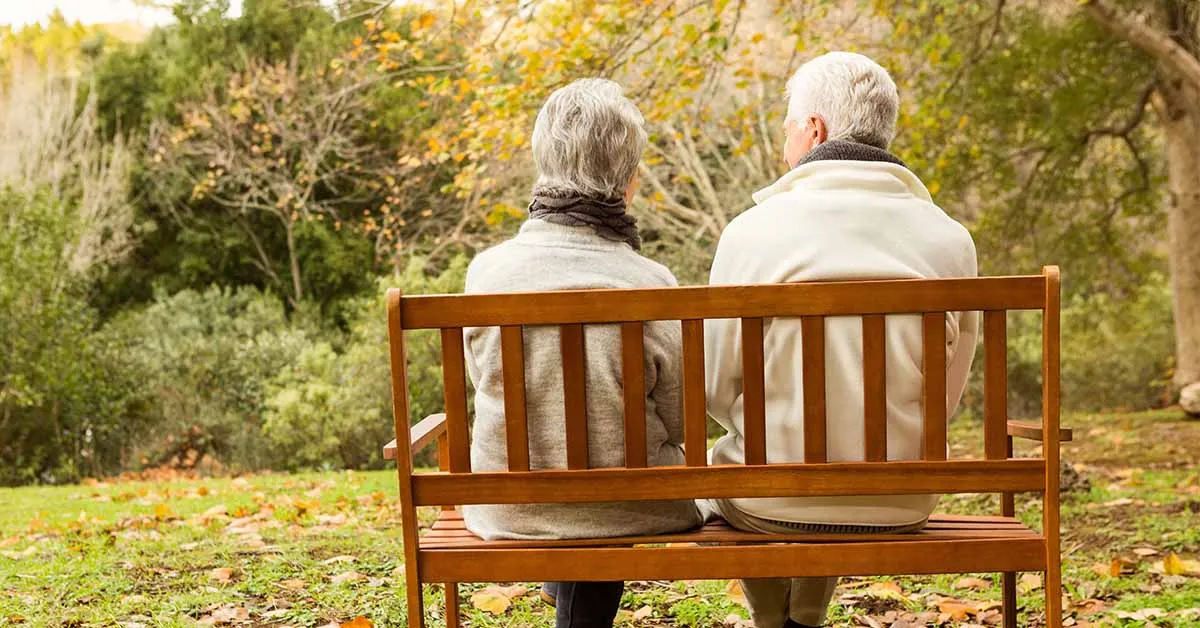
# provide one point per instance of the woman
(587, 141)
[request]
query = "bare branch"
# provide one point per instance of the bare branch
(1138, 32)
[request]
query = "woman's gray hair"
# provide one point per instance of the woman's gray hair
(854, 95)
(588, 140)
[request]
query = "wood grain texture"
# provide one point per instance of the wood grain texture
(633, 372)
(430, 429)
(695, 417)
(516, 426)
(575, 395)
(812, 330)
(1034, 431)
(774, 480)
(874, 332)
(1008, 580)
(453, 612)
(933, 396)
(754, 394)
(728, 562)
(408, 510)
(1051, 371)
(707, 302)
(995, 383)
(454, 389)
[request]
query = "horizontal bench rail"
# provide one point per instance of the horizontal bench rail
(730, 481)
(727, 562)
(708, 302)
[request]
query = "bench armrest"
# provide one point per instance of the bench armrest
(1033, 431)
(423, 433)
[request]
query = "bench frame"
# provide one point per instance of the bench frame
(455, 484)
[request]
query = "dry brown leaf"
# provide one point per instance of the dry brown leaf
(225, 615)
(293, 584)
(642, 613)
(1029, 582)
(349, 576)
(163, 512)
(514, 591)
(976, 584)
(338, 559)
(10, 541)
(358, 622)
(1145, 551)
(221, 574)
(886, 590)
(958, 610)
(490, 600)
(187, 547)
(735, 593)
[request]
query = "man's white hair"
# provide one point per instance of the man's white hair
(854, 95)
(588, 139)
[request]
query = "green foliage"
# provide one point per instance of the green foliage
(210, 357)
(335, 409)
(69, 400)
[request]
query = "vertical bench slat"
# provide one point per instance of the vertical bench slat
(754, 405)
(633, 370)
(995, 384)
(575, 395)
(695, 437)
(934, 395)
(454, 388)
(512, 358)
(812, 329)
(874, 388)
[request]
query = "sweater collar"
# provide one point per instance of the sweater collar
(542, 232)
(846, 165)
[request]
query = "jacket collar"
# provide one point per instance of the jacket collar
(848, 165)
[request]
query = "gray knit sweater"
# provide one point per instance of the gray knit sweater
(546, 256)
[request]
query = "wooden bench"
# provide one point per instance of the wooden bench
(450, 554)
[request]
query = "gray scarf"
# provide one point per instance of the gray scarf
(844, 150)
(606, 215)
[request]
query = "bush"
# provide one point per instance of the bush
(69, 400)
(210, 356)
(331, 409)
(1116, 354)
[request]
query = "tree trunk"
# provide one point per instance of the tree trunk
(1180, 113)
(294, 262)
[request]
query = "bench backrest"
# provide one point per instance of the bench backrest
(571, 311)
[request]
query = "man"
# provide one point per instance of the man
(847, 210)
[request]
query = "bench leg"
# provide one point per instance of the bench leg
(1009, 586)
(416, 606)
(1054, 595)
(453, 615)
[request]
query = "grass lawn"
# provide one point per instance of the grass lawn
(321, 548)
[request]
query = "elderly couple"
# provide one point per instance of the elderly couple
(848, 209)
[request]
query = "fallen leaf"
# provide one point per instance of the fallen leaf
(338, 559)
(349, 576)
(1029, 582)
(187, 547)
(293, 584)
(1145, 551)
(735, 593)
(886, 590)
(1141, 615)
(515, 591)
(1173, 565)
(976, 584)
(225, 615)
(490, 600)
(221, 574)
(643, 613)
(219, 509)
(358, 622)
(958, 610)
(163, 512)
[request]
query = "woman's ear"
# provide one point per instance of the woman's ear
(631, 189)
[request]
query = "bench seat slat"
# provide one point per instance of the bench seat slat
(843, 478)
(763, 560)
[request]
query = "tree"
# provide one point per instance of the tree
(1168, 31)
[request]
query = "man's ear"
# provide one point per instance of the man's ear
(820, 132)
